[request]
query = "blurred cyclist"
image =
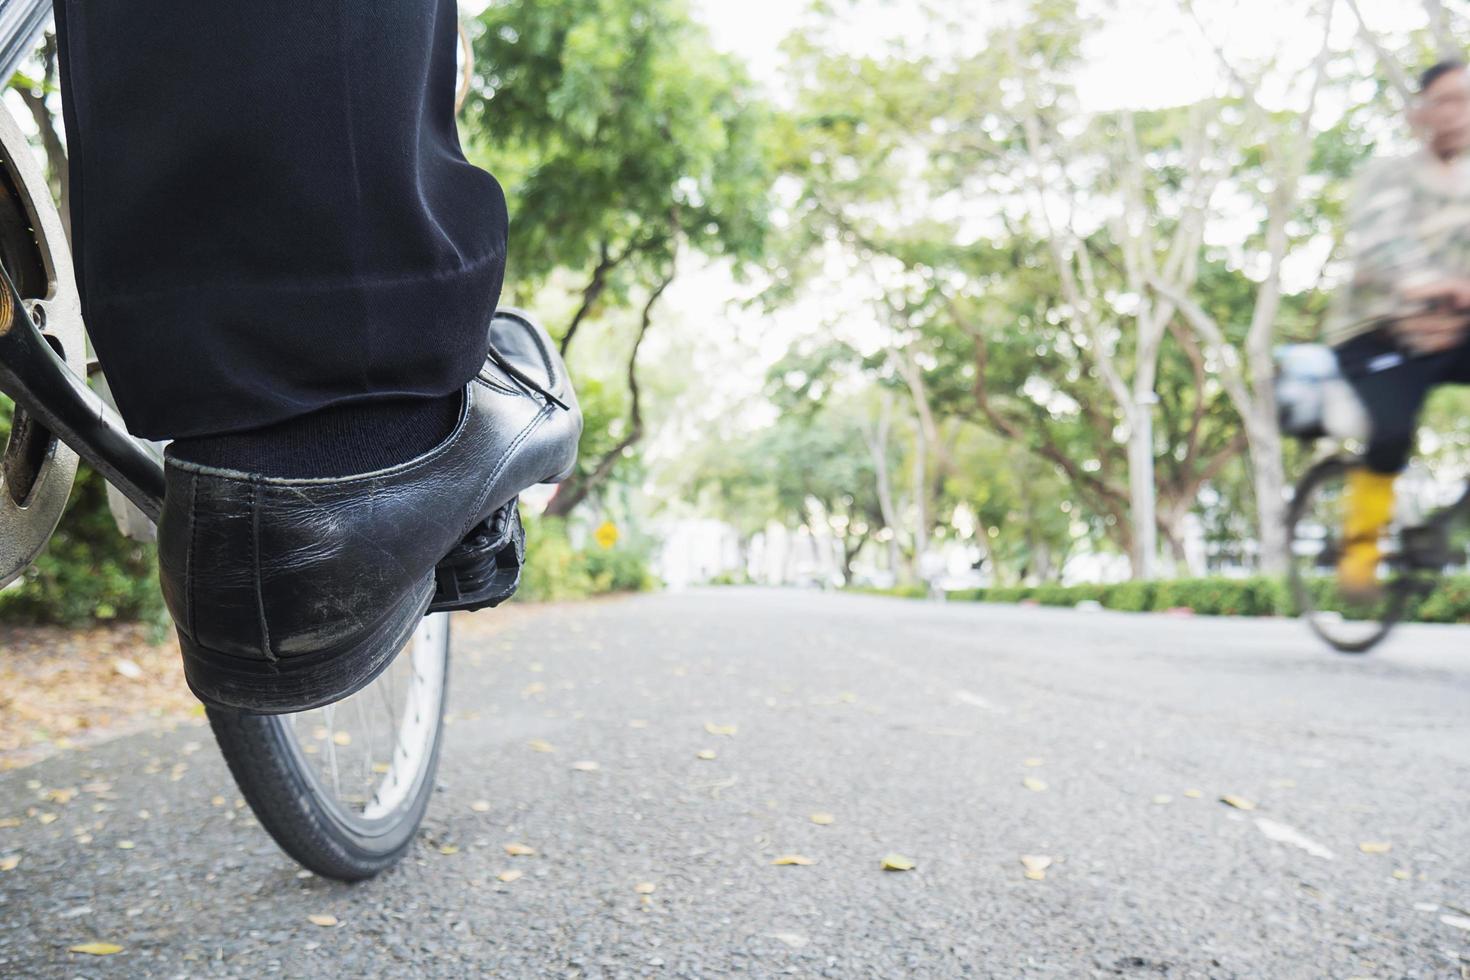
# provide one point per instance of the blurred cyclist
(1400, 326)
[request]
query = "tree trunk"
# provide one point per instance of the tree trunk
(1143, 495)
(921, 503)
(878, 447)
(1269, 478)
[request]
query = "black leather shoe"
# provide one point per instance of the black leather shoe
(293, 593)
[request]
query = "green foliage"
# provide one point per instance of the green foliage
(1449, 602)
(557, 571)
(89, 572)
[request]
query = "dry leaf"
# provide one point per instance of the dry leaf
(1163, 799)
(322, 920)
(381, 768)
(519, 850)
(217, 801)
(1375, 847)
(449, 849)
(9, 863)
(1035, 865)
(509, 876)
(127, 669)
(823, 819)
(10, 822)
(60, 795)
(1239, 802)
(727, 730)
(787, 859)
(644, 887)
(125, 845)
(705, 754)
(46, 818)
(96, 949)
(586, 766)
(1458, 921)
(540, 745)
(1193, 794)
(342, 738)
(1034, 785)
(1034, 762)
(480, 806)
(1401, 874)
(897, 862)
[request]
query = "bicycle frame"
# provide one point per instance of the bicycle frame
(40, 382)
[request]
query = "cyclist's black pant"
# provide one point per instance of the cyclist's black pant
(271, 211)
(1393, 385)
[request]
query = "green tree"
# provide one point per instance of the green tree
(623, 139)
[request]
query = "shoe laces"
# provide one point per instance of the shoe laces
(525, 380)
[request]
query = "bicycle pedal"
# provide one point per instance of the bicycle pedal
(484, 570)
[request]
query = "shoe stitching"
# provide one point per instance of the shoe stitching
(189, 557)
(265, 633)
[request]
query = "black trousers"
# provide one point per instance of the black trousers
(1393, 385)
(271, 209)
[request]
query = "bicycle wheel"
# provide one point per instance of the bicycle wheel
(1349, 624)
(343, 788)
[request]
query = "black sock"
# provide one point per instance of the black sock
(343, 440)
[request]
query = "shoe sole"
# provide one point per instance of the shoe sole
(292, 684)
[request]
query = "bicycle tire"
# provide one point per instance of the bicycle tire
(1397, 594)
(293, 807)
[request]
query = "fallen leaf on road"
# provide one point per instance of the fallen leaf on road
(1163, 799)
(1193, 794)
(512, 875)
(46, 818)
(1034, 762)
(519, 850)
(897, 862)
(10, 822)
(726, 730)
(127, 669)
(96, 949)
(705, 754)
(9, 863)
(480, 806)
(823, 819)
(1458, 921)
(125, 845)
(586, 766)
(1239, 802)
(1283, 834)
(847, 697)
(644, 887)
(1375, 847)
(321, 919)
(60, 795)
(381, 768)
(1401, 874)
(540, 745)
(342, 738)
(1035, 865)
(1034, 785)
(787, 859)
(793, 939)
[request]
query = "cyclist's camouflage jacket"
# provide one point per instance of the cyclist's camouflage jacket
(1409, 224)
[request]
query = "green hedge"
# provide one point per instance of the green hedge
(557, 571)
(89, 572)
(1260, 596)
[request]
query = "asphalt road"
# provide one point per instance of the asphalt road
(915, 726)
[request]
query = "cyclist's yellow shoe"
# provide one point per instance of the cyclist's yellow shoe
(1369, 509)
